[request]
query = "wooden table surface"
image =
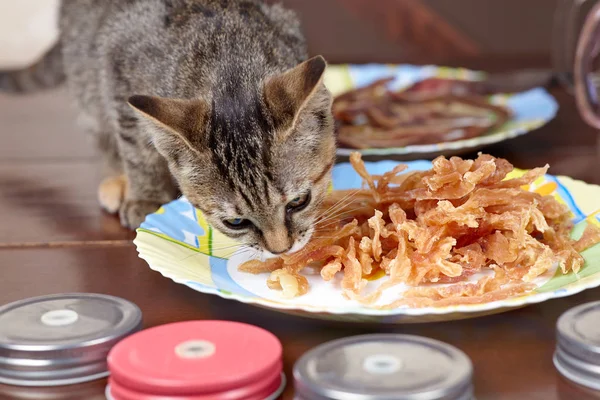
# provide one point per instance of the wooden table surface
(54, 238)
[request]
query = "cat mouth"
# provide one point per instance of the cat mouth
(266, 254)
(299, 245)
(302, 240)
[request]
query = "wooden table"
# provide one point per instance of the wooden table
(54, 238)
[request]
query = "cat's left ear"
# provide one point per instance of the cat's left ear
(288, 93)
(181, 119)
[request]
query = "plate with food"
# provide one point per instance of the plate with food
(417, 112)
(403, 242)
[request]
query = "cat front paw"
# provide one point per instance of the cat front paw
(111, 193)
(134, 212)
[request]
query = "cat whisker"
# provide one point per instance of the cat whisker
(324, 236)
(341, 215)
(350, 194)
(343, 209)
(226, 247)
(348, 197)
(336, 214)
(339, 204)
(190, 256)
(226, 242)
(244, 251)
(336, 218)
(242, 247)
(236, 253)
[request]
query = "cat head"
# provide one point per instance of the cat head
(256, 162)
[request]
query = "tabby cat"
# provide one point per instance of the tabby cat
(213, 99)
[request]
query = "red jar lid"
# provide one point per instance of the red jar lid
(196, 360)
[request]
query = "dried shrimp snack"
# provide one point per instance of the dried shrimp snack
(431, 233)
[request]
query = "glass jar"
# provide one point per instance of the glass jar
(576, 45)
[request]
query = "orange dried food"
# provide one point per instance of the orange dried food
(331, 268)
(590, 236)
(291, 284)
(259, 267)
(433, 231)
(323, 240)
(315, 255)
(361, 170)
(462, 297)
(499, 248)
(352, 280)
(454, 178)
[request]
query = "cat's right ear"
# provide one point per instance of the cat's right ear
(181, 118)
(288, 93)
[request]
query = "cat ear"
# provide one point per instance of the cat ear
(180, 117)
(286, 94)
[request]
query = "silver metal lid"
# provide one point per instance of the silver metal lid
(62, 339)
(382, 367)
(577, 355)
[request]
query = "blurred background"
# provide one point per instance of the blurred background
(27, 29)
(429, 31)
(469, 33)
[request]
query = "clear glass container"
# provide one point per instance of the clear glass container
(576, 46)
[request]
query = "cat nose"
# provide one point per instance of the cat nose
(276, 240)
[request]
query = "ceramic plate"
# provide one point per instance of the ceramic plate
(177, 242)
(531, 109)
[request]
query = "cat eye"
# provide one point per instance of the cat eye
(236, 223)
(299, 203)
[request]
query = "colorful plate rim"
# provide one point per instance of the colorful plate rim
(575, 287)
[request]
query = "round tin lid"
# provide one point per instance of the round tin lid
(62, 339)
(283, 381)
(218, 359)
(382, 367)
(577, 355)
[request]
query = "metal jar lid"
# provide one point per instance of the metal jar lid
(62, 339)
(384, 367)
(577, 355)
